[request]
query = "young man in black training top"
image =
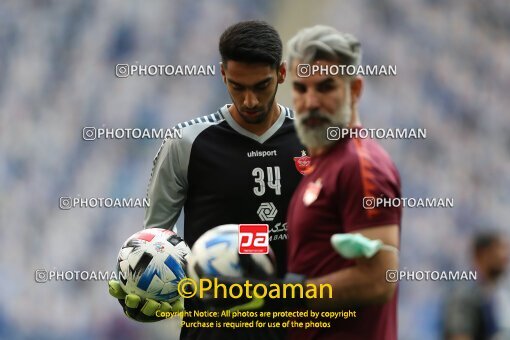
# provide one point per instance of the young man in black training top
(228, 165)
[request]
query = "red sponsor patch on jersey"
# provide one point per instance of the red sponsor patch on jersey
(253, 239)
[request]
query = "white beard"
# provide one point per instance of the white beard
(316, 137)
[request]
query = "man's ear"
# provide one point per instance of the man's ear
(282, 72)
(356, 89)
(223, 75)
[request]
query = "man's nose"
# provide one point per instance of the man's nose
(311, 100)
(250, 100)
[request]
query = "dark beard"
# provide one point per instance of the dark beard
(262, 117)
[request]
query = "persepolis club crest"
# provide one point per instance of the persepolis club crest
(302, 163)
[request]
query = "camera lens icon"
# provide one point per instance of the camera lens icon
(65, 203)
(369, 202)
(304, 70)
(41, 275)
(391, 276)
(333, 133)
(122, 70)
(89, 133)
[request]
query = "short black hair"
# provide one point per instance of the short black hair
(251, 42)
(485, 240)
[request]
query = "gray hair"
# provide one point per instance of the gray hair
(324, 42)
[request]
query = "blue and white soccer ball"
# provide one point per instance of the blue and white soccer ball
(151, 263)
(215, 253)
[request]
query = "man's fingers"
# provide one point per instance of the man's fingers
(132, 300)
(115, 289)
(150, 307)
(178, 306)
(165, 307)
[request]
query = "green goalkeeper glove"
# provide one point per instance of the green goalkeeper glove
(353, 246)
(140, 309)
